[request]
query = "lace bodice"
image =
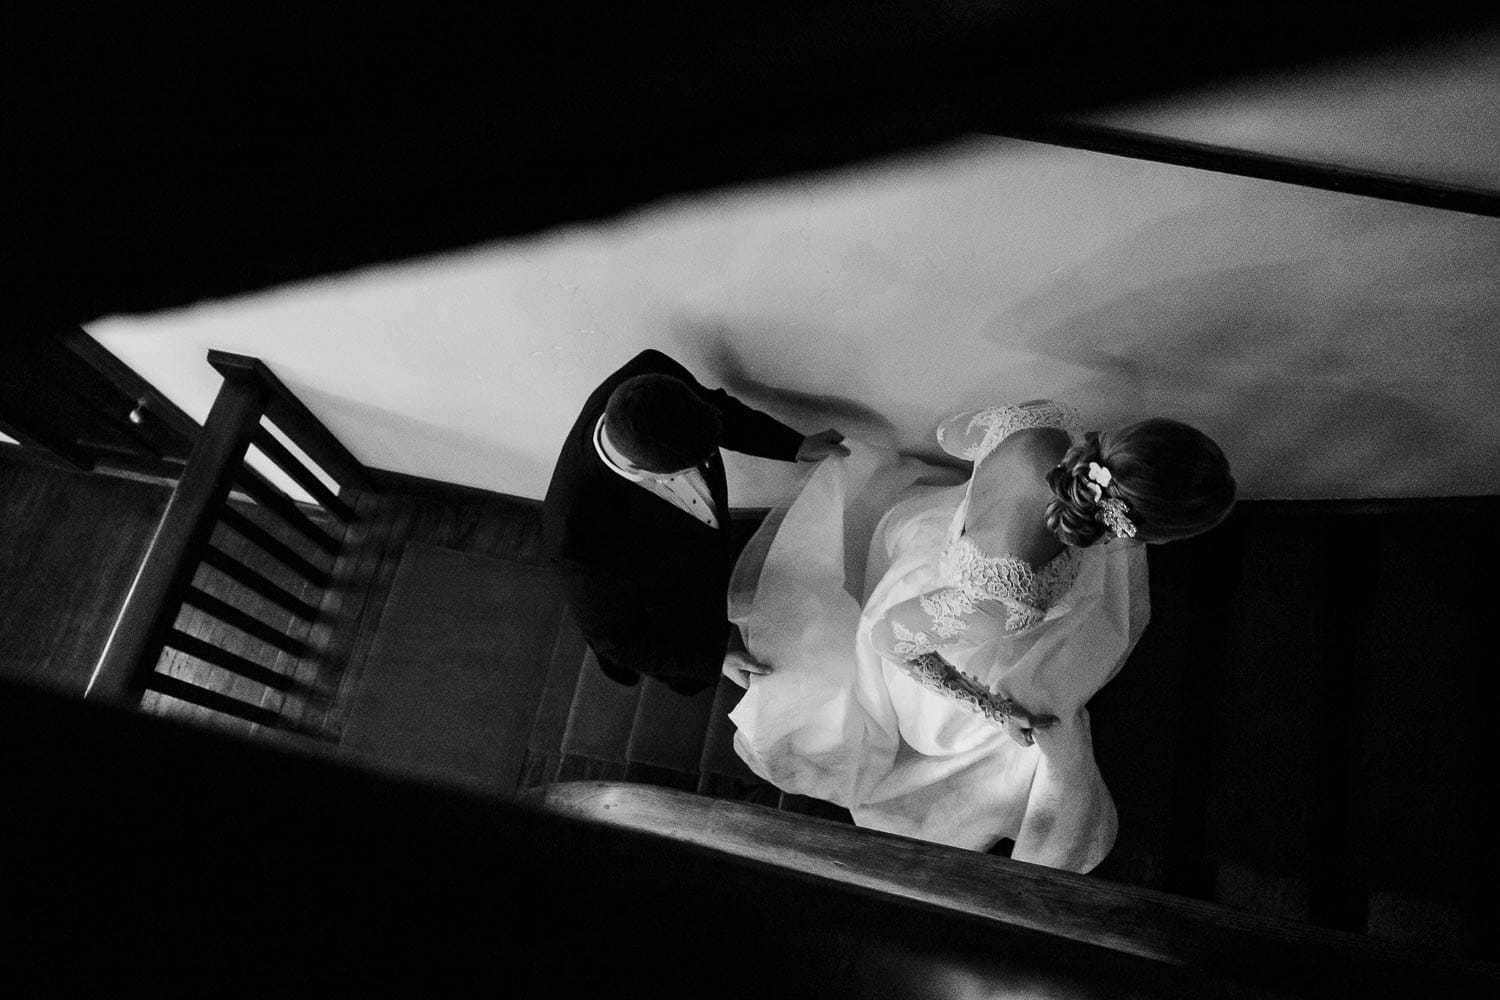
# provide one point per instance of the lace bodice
(975, 433)
(982, 596)
(1025, 592)
(1002, 593)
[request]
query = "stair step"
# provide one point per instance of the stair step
(550, 725)
(669, 728)
(1264, 789)
(1426, 923)
(1420, 715)
(663, 777)
(1270, 894)
(538, 768)
(602, 715)
(577, 767)
(1129, 864)
(719, 767)
(806, 806)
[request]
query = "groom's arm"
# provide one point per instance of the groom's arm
(746, 429)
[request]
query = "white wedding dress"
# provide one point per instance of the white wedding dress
(918, 748)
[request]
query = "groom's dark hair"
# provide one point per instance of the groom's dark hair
(660, 423)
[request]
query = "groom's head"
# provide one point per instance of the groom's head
(660, 425)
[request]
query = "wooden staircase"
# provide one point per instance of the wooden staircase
(1299, 736)
(1302, 733)
(590, 728)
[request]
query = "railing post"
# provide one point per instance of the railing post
(151, 606)
(292, 416)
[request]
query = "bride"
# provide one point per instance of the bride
(930, 647)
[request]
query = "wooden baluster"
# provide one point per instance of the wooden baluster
(252, 580)
(272, 546)
(305, 477)
(277, 503)
(246, 623)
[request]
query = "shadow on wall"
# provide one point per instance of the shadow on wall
(806, 411)
(1353, 372)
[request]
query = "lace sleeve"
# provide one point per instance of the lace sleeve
(988, 596)
(973, 434)
(936, 619)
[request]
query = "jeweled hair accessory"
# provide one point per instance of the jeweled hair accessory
(1115, 515)
(1098, 477)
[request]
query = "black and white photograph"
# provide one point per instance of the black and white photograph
(930, 498)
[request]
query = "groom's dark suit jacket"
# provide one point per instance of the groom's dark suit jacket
(646, 581)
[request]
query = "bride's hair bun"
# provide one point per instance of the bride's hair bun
(1071, 513)
(1173, 479)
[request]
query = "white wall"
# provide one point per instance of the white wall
(1336, 346)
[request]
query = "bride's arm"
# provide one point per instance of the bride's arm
(914, 632)
(968, 435)
(961, 434)
(938, 618)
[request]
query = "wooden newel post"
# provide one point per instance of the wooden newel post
(167, 570)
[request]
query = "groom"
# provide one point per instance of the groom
(637, 520)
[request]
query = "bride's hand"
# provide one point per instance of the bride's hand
(821, 445)
(739, 665)
(1020, 725)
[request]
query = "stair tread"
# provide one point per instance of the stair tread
(1259, 691)
(807, 806)
(1430, 924)
(718, 756)
(669, 728)
(1266, 731)
(578, 767)
(602, 714)
(550, 725)
(1417, 735)
(665, 777)
(1270, 894)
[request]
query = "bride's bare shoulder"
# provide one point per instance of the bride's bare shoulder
(1034, 450)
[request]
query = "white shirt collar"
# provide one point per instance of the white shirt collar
(609, 463)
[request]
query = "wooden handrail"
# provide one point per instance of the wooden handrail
(258, 488)
(305, 477)
(1139, 145)
(273, 546)
(290, 414)
(161, 411)
(1177, 931)
(156, 593)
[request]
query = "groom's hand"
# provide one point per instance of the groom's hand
(821, 445)
(739, 665)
